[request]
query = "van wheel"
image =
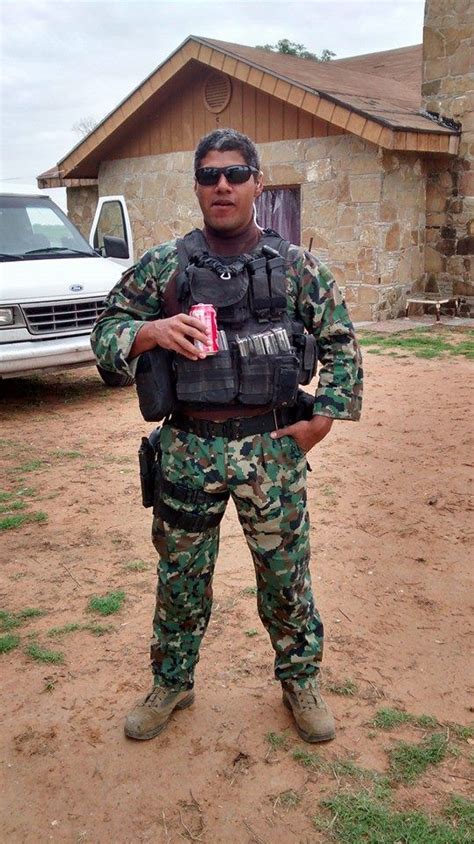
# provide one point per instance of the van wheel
(115, 379)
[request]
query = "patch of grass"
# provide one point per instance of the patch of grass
(56, 632)
(12, 506)
(6, 496)
(347, 688)
(427, 721)
(40, 654)
(308, 759)
(26, 491)
(409, 761)
(249, 590)
(120, 458)
(70, 454)
(9, 620)
(8, 642)
(465, 348)
(341, 768)
(461, 810)
(99, 629)
(30, 466)
(463, 733)
(49, 685)
(361, 818)
(387, 719)
(30, 612)
(106, 604)
(73, 627)
(348, 768)
(252, 632)
(422, 343)
(277, 741)
(135, 565)
(11, 522)
(288, 799)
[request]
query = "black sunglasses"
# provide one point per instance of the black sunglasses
(236, 174)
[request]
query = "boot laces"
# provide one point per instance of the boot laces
(157, 695)
(308, 696)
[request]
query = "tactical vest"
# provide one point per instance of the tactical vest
(263, 354)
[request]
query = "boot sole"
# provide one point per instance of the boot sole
(309, 737)
(183, 704)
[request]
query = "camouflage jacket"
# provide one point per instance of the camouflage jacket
(312, 295)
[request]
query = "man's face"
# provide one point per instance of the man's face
(225, 207)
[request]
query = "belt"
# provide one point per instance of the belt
(235, 429)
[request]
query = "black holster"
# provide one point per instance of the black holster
(149, 457)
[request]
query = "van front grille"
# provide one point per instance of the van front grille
(62, 316)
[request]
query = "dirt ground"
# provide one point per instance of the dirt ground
(390, 532)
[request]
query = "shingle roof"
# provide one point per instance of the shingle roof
(375, 86)
(375, 96)
(403, 64)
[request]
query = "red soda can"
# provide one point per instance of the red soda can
(207, 315)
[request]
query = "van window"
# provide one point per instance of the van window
(111, 222)
(34, 227)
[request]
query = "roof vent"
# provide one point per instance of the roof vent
(217, 92)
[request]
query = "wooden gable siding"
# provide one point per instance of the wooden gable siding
(178, 122)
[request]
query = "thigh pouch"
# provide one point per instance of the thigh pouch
(194, 521)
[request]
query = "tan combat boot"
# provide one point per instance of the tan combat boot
(151, 715)
(314, 720)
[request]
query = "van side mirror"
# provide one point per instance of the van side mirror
(115, 247)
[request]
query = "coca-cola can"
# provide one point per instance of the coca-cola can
(207, 315)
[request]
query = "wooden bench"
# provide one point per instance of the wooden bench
(443, 295)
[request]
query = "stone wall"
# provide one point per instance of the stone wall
(363, 208)
(448, 89)
(81, 205)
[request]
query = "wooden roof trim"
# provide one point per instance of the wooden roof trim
(323, 96)
(453, 144)
(386, 138)
(372, 131)
(268, 83)
(255, 77)
(242, 71)
(217, 60)
(325, 110)
(190, 50)
(322, 105)
(229, 65)
(56, 180)
(355, 124)
(204, 53)
(295, 97)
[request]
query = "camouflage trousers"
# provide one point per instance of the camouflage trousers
(267, 481)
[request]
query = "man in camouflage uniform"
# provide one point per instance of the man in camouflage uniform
(265, 472)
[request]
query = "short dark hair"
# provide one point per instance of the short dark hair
(225, 140)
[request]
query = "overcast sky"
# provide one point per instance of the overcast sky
(63, 60)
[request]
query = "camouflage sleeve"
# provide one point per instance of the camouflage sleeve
(319, 303)
(137, 297)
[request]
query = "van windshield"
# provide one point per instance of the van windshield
(34, 228)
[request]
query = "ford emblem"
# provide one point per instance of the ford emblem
(76, 288)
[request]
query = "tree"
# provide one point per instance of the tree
(291, 48)
(84, 126)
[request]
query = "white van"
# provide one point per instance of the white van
(53, 282)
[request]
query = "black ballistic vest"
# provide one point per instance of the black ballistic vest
(263, 354)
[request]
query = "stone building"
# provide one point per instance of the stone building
(368, 158)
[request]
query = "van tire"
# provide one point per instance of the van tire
(115, 379)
